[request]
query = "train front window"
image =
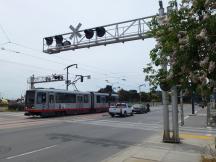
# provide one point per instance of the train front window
(30, 98)
(41, 97)
(98, 99)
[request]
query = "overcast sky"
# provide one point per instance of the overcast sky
(26, 22)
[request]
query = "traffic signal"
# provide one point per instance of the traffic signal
(89, 33)
(59, 40)
(49, 41)
(100, 31)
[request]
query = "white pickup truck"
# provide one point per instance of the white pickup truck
(121, 109)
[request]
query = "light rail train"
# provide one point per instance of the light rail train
(53, 102)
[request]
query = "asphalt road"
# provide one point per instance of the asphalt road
(82, 138)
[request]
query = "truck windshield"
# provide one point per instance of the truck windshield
(30, 98)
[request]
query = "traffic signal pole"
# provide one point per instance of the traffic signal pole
(67, 81)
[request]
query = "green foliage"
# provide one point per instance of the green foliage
(16, 107)
(186, 43)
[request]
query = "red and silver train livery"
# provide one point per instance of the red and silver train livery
(51, 102)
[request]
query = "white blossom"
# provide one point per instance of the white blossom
(211, 67)
(206, 16)
(193, 77)
(202, 35)
(204, 62)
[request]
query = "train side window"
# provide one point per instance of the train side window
(86, 98)
(98, 99)
(51, 98)
(79, 99)
(41, 97)
(65, 98)
(103, 99)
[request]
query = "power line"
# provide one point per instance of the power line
(26, 65)
(111, 75)
(37, 57)
(90, 66)
(2, 29)
(29, 55)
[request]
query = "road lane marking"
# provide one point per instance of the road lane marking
(186, 117)
(193, 136)
(31, 152)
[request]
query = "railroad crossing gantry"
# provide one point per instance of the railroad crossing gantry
(44, 79)
(108, 34)
(137, 29)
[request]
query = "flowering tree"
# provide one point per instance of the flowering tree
(186, 43)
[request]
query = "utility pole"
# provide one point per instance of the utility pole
(192, 102)
(67, 82)
(32, 82)
(175, 123)
(174, 94)
(182, 108)
(140, 91)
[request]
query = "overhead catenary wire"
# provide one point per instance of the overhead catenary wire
(95, 71)
(29, 55)
(89, 66)
(33, 49)
(4, 32)
(26, 65)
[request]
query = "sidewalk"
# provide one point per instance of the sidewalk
(154, 150)
(193, 147)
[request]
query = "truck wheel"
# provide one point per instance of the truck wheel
(112, 115)
(125, 114)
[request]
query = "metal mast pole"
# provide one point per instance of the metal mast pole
(67, 81)
(182, 108)
(192, 102)
(166, 135)
(32, 82)
(175, 124)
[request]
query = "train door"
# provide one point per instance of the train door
(92, 102)
(51, 101)
(80, 103)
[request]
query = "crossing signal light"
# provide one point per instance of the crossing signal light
(49, 41)
(66, 43)
(59, 40)
(89, 33)
(100, 31)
